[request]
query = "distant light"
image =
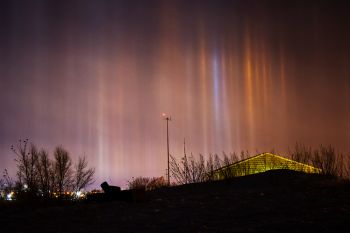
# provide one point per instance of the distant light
(78, 193)
(25, 186)
(9, 196)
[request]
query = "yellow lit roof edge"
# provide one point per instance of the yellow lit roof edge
(265, 153)
(293, 161)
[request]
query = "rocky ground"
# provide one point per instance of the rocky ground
(275, 201)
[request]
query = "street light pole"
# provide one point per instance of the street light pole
(167, 142)
(167, 118)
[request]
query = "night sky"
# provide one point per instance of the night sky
(96, 76)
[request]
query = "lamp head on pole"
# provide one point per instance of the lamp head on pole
(166, 117)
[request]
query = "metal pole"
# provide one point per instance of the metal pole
(167, 142)
(185, 162)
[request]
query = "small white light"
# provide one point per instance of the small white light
(9, 196)
(78, 193)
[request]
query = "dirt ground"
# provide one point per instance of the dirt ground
(275, 201)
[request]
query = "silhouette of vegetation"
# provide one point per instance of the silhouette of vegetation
(211, 165)
(138, 182)
(46, 174)
(301, 153)
(63, 170)
(191, 170)
(40, 177)
(147, 183)
(228, 160)
(329, 161)
(27, 159)
(83, 176)
(6, 185)
(326, 158)
(346, 162)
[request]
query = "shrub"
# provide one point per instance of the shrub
(147, 183)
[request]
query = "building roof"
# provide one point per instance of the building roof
(264, 162)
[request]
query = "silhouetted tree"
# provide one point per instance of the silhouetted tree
(38, 175)
(217, 162)
(82, 175)
(7, 183)
(2, 189)
(147, 183)
(325, 158)
(27, 173)
(210, 168)
(229, 172)
(46, 174)
(346, 167)
(2, 184)
(301, 153)
(62, 167)
(178, 172)
(196, 169)
(139, 182)
(328, 161)
(189, 170)
(156, 182)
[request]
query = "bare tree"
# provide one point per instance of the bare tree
(346, 167)
(201, 169)
(7, 182)
(82, 175)
(46, 174)
(181, 170)
(210, 168)
(186, 172)
(26, 165)
(328, 161)
(2, 184)
(233, 157)
(189, 170)
(147, 183)
(139, 182)
(302, 153)
(324, 158)
(178, 172)
(196, 169)
(217, 162)
(227, 172)
(63, 170)
(156, 182)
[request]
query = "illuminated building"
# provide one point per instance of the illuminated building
(262, 163)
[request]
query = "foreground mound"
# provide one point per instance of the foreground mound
(274, 201)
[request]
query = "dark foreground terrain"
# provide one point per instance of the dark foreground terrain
(275, 201)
